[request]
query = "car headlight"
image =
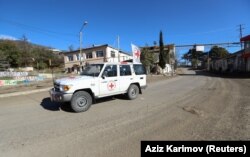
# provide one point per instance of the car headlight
(65, 87)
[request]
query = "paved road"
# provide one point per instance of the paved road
(188, 107)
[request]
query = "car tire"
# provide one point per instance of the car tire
(81, 101)
(133, 92)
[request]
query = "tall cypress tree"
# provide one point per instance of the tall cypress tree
(162, 55)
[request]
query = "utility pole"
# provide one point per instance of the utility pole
(241, 30)
(118, 42)
(80, 39)
(208, 66)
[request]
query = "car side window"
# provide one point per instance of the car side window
(110, 71)
(125, 70)
(139, 69)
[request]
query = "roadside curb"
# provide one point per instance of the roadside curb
(24, 92)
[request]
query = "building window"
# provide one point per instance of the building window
(89, 55)
(113, 54)
(99, 54)
(70, 58)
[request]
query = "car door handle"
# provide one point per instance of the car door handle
(141, 78)
(115, 80)
(131, 78)
(104, 82)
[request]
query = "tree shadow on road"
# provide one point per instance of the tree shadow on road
(54, 106)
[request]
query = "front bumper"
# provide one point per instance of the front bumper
(59, 96)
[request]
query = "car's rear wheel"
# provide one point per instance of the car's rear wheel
(81, 101)
(133, 92)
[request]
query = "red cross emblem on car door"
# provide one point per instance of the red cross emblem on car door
(111, 85)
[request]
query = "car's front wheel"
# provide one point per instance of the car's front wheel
(81, 101)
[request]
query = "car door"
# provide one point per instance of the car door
(109, 82)
(140, 73)
(126, 77)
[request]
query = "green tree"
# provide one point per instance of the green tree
(218, 52)
(186, 58)
(162, 55)
(147, 58)
(71, 48)
(57, 60)
(25, 50)
(42, 56)
(9, 52)
(155, 43)
(23, 53)
(193, 56)
(39, 57)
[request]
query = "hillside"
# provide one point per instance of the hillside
(21, 53)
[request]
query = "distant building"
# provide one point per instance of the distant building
(167, 48)
(56, 51)
(171, 58)
(246, 53)
(94, 54)
(235, 62)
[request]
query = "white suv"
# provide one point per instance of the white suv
(97, 81)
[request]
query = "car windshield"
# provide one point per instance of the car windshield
(92, 70)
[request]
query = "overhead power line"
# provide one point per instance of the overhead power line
(42, 31)
(36, 28)
(210, 44)
(203, 33)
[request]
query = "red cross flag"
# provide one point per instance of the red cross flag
(136, 54)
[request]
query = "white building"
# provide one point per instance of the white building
(94, 54)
